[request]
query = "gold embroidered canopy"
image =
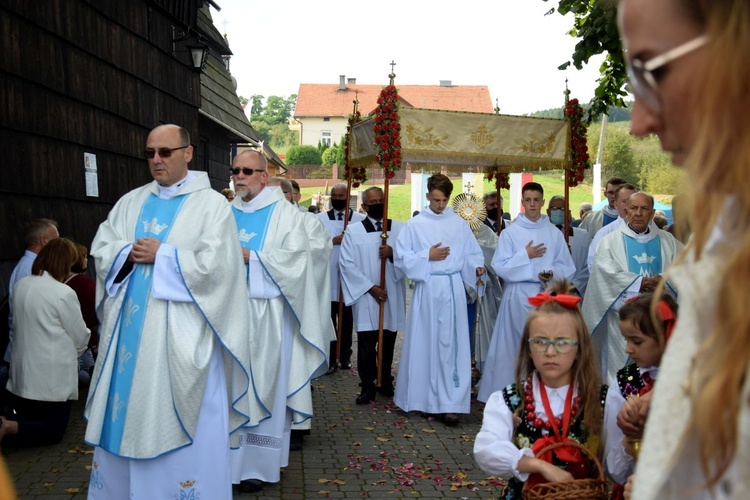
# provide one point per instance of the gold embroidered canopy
(432, 138)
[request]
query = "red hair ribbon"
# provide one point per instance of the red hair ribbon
(666, 315)
(567, 301)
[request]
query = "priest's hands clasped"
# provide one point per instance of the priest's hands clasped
(144, 251)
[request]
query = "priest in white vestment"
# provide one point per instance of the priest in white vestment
(530, 253)
(288, 333)
(171, 380)
(627, 262)
(622, 195)
(362, 252)
(608, 214)
(438, 252)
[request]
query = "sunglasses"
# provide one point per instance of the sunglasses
(163, 152)
(247, 171)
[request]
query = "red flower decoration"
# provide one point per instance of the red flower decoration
(502, 180)
(578, 143)
(388, 135)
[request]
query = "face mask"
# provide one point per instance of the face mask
(338, 204)
(557, 217)
(375, 211)
(492, 213)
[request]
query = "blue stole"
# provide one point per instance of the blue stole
(156, 221)
(252, 227)
(643, 258)
(607, 219)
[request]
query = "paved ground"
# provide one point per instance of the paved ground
(373, 451)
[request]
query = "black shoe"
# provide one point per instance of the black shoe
(332, 369)
(387, 390)
(366, 396)
(346, 365)
(250, 485)
(295, 441)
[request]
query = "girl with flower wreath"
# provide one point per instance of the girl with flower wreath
(557, 398)
(645, 344)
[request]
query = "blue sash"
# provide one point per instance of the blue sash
(156, 221)
(643, 258)
(608, 219)
(252, 227)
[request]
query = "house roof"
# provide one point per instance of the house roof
(322, 99)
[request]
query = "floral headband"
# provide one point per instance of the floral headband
(567, 301)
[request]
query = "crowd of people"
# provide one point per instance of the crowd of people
(208, 320)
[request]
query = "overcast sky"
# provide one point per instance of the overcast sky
(508, 45)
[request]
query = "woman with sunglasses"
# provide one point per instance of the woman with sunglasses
(689, 69)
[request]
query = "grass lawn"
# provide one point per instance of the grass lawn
(399, 203)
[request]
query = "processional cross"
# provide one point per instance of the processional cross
(469, 186)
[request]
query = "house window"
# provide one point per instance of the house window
(325, 138)
(327, 119)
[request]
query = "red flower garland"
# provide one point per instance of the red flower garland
(502, 179)
(359, 174)
(387, 131)
(579, 150)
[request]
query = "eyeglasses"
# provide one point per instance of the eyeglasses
(163, 152)
(562, 346)
(643, 79)
(247, 171)
(556, 209)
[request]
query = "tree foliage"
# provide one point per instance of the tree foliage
(329, 156)
(278, 136)
(274, 111)
(303, 155)
(614, 114)
(596, 28)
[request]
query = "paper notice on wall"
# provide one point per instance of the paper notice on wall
(92, 178)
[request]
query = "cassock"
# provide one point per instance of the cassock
(520, 273)
(488, 304)
(289, 332)
(434, 375)
(360, 264)
(623, 258)
(171, 380)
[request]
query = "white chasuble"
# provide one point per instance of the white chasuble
(434, 374)
(620, 258)
(289, 331)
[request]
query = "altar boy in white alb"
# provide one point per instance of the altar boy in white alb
(289, 328)
(362, 252)
(530, 252)
(438, 251)
(172, 376)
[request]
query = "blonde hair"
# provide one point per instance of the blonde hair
(585, 368)
(718, 167)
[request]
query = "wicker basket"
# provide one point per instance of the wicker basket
(578, 489)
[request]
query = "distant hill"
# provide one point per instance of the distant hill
(615, 114)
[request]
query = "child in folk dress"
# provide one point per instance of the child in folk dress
(645, 344)
(557, 397)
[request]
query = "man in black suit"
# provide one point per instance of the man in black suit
(494, 206)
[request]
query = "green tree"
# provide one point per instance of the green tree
(595, 26)
(303, 155)
(329, 156)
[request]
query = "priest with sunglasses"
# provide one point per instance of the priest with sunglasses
(171, 381)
